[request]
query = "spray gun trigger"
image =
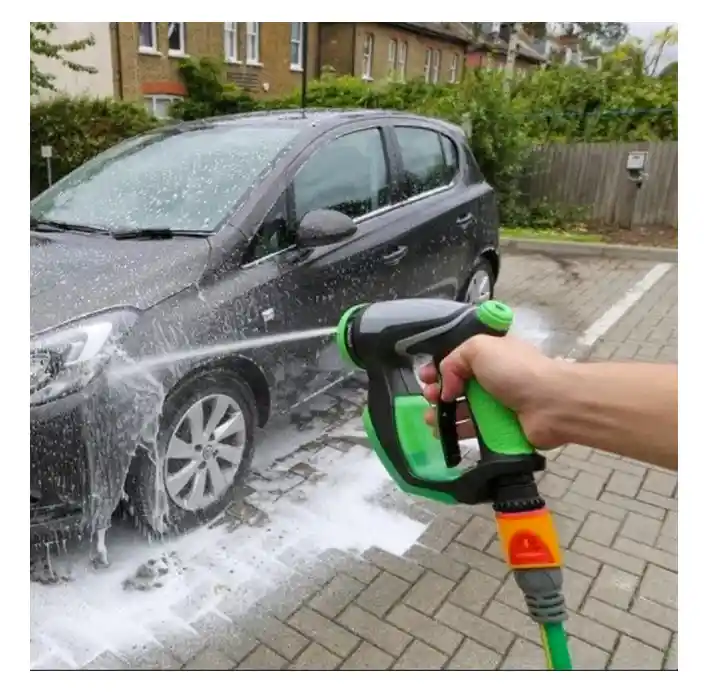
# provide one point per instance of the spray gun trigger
(447, 427)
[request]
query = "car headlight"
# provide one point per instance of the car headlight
(64, 360)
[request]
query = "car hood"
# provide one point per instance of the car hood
(76, 274)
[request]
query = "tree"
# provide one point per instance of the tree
(669, 71)
(601, 33)
(40, 44)
(639, 58)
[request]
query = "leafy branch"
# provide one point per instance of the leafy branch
(40, 44)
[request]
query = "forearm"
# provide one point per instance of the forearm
(623, 408)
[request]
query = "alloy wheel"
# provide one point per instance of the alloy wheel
(478, 288)
(204, 452)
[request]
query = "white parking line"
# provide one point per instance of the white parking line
(617, 311)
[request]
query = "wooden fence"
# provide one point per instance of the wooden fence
(593, 176)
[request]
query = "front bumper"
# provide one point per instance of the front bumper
(59, 469)
(81, 447)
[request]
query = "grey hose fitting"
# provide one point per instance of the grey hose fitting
(542, 589)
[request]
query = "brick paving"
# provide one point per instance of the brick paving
(448, 601)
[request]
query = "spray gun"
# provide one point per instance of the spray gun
(383, 339)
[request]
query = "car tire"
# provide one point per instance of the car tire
(480, 283)
(183, 489)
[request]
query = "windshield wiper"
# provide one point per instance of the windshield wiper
(155, 232)
(41, 226)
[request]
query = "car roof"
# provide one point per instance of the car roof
(305, 118)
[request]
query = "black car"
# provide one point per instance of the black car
(200, 234)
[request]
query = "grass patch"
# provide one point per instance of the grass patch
(572, 235)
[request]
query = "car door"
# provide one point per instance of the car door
(438, 211)
(309, 289)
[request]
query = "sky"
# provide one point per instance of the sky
(645, 31)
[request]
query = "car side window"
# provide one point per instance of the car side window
(349, 175)
(273, 235)
(430, 160)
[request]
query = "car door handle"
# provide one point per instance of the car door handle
(396, 256)
(465, 220)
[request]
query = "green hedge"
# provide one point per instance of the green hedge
(77, 129)
(559, 104)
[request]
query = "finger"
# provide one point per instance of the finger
(432, 393)
(428, 373)
(455, 370)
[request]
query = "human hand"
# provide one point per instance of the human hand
(516, 373)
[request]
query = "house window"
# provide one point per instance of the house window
(427, 65)
(454, 65)
(435, 78)
(402, 53)
(393, 57)
(231, 52)
(253, 43)
(158, 105)
(147, 36)
(367, 56)
(296, 45)
(177, 38)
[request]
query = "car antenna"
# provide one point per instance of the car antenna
(304, 67)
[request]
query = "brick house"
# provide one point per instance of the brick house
(375, 51)
(262, 57)
(490, 48)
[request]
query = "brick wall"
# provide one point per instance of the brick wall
(339, 42)
(143, 74)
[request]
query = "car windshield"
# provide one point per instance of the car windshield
(179, 179)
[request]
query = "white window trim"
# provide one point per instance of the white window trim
(161, 97)
(393, 58)
(148, 50)
(454, 65)
(230, 28)
(427, 67)
(253, 29)
(367, 57)
(402, 51)
(436, 66)
(181, 52)
(298, 66)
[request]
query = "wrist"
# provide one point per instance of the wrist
(559, 402)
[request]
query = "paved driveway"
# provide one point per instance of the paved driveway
(323, 564)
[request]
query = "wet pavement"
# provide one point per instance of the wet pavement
(322, 563)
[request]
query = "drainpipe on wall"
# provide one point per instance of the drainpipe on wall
(304, 65)
(115, 27)
(354, 46)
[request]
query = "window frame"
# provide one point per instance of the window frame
(142, 48)
(177, 52)
(437, 58)
(427, 65)
(230, 30)
(392, 58)
(402, 51)
(253, 29)
(367, 57)
(297, 66)
(454, 68)
(171, 98)
(401, 168)
(388, 161)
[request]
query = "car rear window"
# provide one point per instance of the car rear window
(187, 180)
(430, 159)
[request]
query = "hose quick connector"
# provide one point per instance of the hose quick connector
(542, 589)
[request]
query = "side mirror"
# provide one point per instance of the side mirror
(324, 227)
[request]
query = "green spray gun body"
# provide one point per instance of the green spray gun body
(384, 339)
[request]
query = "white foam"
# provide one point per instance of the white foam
(76, 621)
